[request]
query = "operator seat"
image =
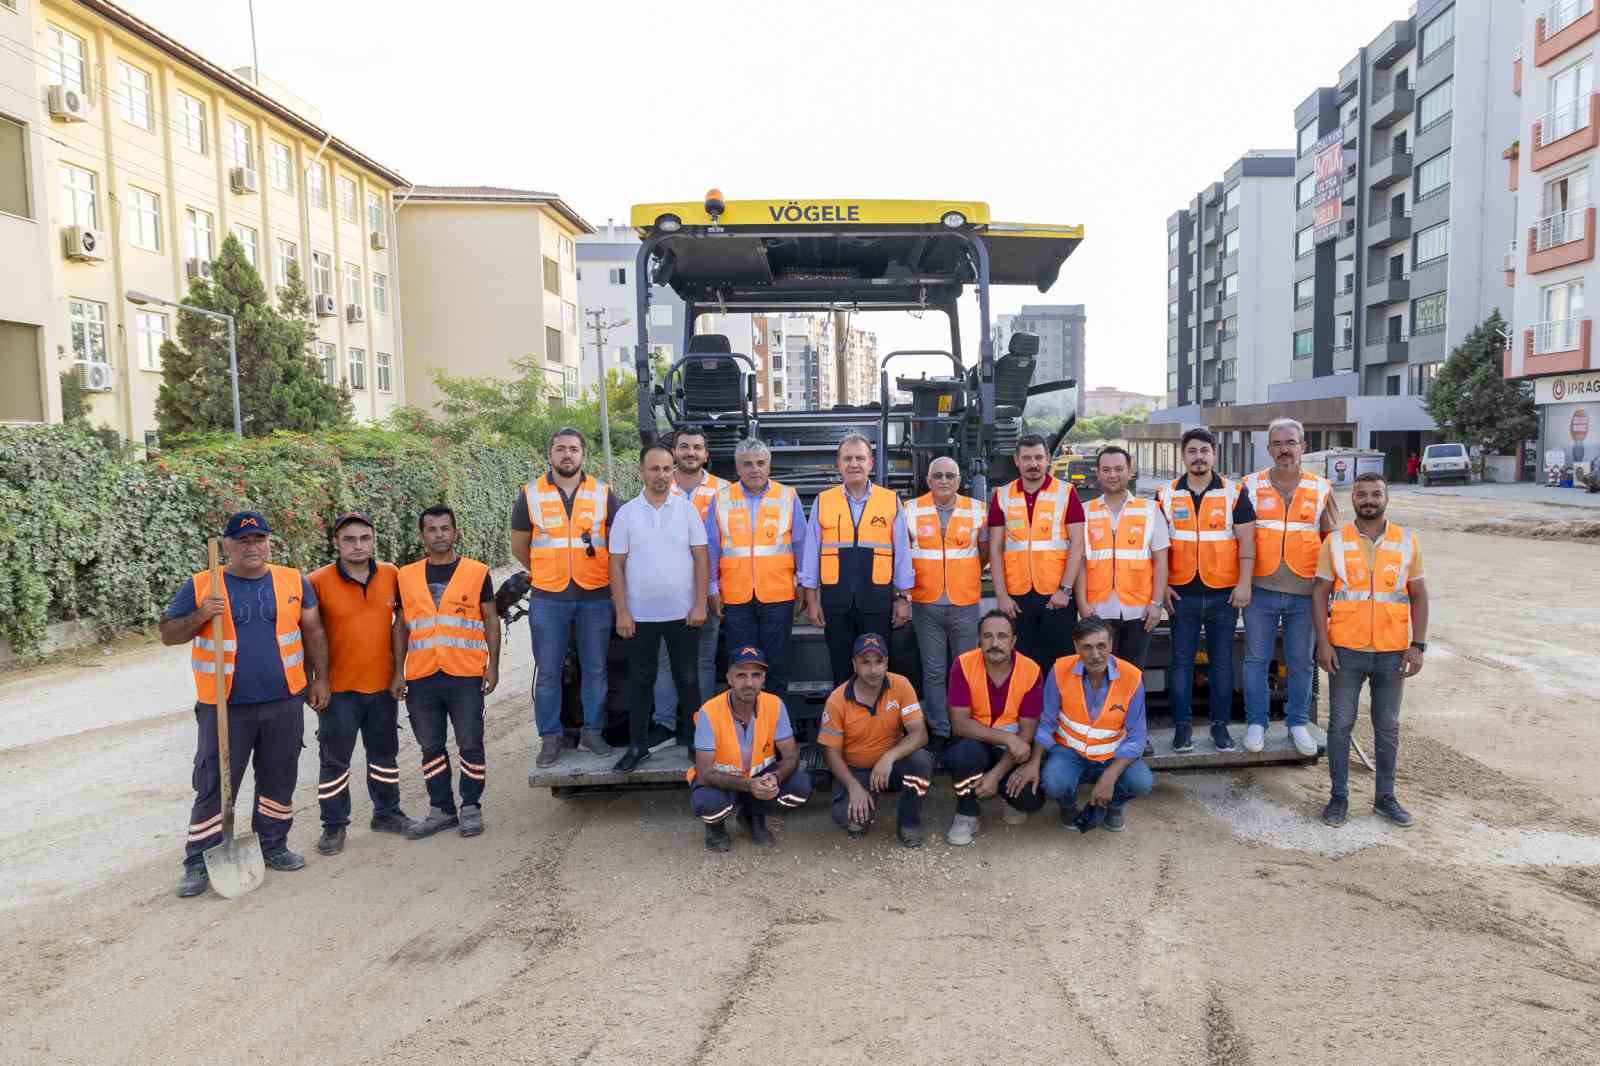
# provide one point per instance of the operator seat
(711, 386)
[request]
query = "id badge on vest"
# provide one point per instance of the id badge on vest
(1180, 509)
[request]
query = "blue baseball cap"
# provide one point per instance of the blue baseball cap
(245, 523)
(747, 654)
(869, 642)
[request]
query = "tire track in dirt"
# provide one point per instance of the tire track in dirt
(1225, 1043)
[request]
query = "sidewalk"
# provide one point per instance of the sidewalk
(1513, 492)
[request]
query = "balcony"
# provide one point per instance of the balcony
(1349, 79)
(1389, 289)
(1565, 131)
(1208, 313)
(1389, 229)
(1352, 133)
(1561, 239)
(1391, 106)
(1344, 246)
(1387, 169)
(1228, 347)
(1516, 71)
(1344, 358)
(1564, 25)
(1392, 43)
(1386, 348)
(1558, 347)
(1228, 306)
(1510, 264)
(1213, 232)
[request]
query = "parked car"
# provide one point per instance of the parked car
(1446, 462)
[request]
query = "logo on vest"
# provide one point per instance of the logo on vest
(1097, 533)
(878, 520)
(1117, 708)
(1214, 521)
(1391, 570)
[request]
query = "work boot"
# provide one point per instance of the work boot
(962, 829)
(1183, 738)
(717, 837)
(435, 820)
(910, 835)
(593, 743)
(1389, 807)
(1304, 742)
(331, 841)
(1255, 737)
(395, 822)
(1011, 815)
(1115, 821)
(193, 882)
(471, 820)
(284, 860)
(1337, 810)
(631, 759)
(549, 752)
(755, 825)
(1221, 739)
(660, 737)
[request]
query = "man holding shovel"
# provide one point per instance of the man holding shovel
(270, 629)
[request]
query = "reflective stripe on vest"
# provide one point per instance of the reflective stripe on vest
(1292, 538)
(756, 562)
(1370, 607)
(702, 495)
(1117, 556)
(1025, 673)
(728, 757)
(1035, 550)
(946, 562)
(1203, 540)
(287, 586)
(1096, 741)
(558, 554)
(449, 636)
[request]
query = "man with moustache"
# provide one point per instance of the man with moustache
(1035, 552)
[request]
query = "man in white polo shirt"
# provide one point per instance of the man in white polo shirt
(659, 576)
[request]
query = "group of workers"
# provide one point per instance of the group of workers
(1028, 701)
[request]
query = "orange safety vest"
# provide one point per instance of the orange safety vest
(756, 562)
(1292, 538)
(947, 562)
(1096, 741)
(1036, 552)
(447, 637)
(1024, 675)
(1117, 559)
(1371, 608)
(1203, 540)
(703, 494)
(845, 543)
(287, 586)
(558, 553)
(728, 758)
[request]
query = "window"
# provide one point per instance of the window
(661, 315)
(1172, 346)
(1564, 13)
(1436, 105)
(777, 361)
(380, 293)
(619, 275)
(552, 342)
(279, 169)
(1391, 385)
(150, 333)
(569, 384)
(1308, 137)
(1172, 381)
(197, 235)
(317, 187)
(1570, 192)
(347, 199)
(358, 370)
(144, 219)
(385, 372)
(1302, 243)
(88, 330)
(1427, 314)
(191, 123)
(247, 241)
(1438, 33)
(134, 86)
(1304, 341)
(77, 196)
(1421, 378)
(288, 256)
(1432, 245)
(1562, 302)
(569, 317)
(375, 220)
(14, 198)
(1305, 292)
(1172, 310)
(238, 143)
(1172, 240)
(352, 284)
(321, 274)
(552, 276)
(1305, 189)
(1225, 370)
(568, 253)
(1434, 175)
(67, 59)
(1230, 286)
(328, 356)
(1231, 201)
(1229, 328)
(1172, 276)
(1230, 243)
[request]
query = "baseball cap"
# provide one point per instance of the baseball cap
(351, 516)
(869, 642)
(244, 524)
(748, 653)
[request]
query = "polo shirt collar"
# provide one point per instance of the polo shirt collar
(372, 568)
(850, 694)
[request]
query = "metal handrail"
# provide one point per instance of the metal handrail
(1379, 219)
(1563, 121)
(1376, 159)
(1562, 227)
(1388, 338)
(1557, 335)
(1393, 275)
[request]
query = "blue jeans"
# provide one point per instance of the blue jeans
(1381, 670)
(1064, 770)
(666, 694)
(550, 624)
(1212, 610)
(1261, 619)
(767, 626)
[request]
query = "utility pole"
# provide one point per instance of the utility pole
(598, 322)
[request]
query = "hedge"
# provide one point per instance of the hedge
(90, 534)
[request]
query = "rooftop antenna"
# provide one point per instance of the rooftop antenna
(255, 58)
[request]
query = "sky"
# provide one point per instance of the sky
(1111, 115)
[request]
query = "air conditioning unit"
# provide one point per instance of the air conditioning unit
(85, 244)
(355, 313)
(244, 180)
(327, 307)
(380, 240)
(68, 104)
(197, 268)
(92, 376)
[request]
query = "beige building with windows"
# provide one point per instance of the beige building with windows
(493, 278)
(125, 160)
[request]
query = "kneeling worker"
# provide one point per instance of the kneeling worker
(1093, 729)
(745, 757)
(874, 739)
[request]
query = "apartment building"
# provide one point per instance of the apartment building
(1060, 328)
(1110, 400)
(607, 260)
(859, 366)
(496, 281)
(1551, 257)
(127, 160)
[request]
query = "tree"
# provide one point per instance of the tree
(74, 401)
(528, 408)
(1473, 402)
(1105, 427)
(281, 384)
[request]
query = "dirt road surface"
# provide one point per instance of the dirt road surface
(1227, 926)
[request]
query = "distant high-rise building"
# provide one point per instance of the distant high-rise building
(1060, 330)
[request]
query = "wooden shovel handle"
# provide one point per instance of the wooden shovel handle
(224, 756)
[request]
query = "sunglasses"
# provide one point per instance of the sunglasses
(588, 544)
(943, 477)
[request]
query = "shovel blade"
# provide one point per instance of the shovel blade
(236, 865)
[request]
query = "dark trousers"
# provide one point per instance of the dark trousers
(1044, 635)
(1211, 611)
(910, 778)
(1381, 671)
(267, 736)
(841, 632)
(1130, 641)
(644, 658)
(968, 761)
(373, 716)
(432, 704)
(767, 626)
(713, 805)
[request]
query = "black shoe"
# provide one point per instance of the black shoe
(1337, 810)
(1183, 738)
(660, 737)
(332, 840)
(631, 759)
(1221, 739)
(756, 826)
(1115, 821)
(1149, 749)
(193, 882)
(435, 820)
(1069, 816)
(856, 830)
(471, 820)
(910, 836)
(1389, 807)
(284, 860)
(396, 823)
(717, 837)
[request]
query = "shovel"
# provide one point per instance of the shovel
(235, 865)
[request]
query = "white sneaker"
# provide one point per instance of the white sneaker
(1304, 742)
(1255, 737)
(1010, 815)
(962, 829)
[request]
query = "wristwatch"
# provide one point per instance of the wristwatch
(1420, 645)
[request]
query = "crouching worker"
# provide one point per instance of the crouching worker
(745, 757)
(874, 739)
(1092, 731)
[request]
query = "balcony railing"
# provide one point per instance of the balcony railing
(1380, 155)
(1559, 228)
(1563, 121)
(1558, 335)
(1390, 338)
(1563, 13)
(1378, 220)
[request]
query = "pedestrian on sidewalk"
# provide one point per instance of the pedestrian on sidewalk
(1370, 609)
(1413, 466)
(659, 582)
(271, 628)
(359, 600)
(452, 662)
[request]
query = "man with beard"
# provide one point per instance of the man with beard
(1035, 552)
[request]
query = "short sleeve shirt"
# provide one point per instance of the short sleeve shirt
(864, 733)
(706, 740)
(960, 695)
(1369, 552)
(660, 563)
(1114, 608)
(253, 603)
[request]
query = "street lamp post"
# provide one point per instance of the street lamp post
(144, 298)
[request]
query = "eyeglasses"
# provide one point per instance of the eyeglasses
(944, 477)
